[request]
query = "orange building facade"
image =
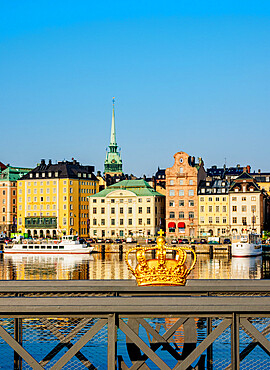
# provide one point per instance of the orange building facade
(182, 181)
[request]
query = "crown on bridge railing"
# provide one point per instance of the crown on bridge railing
(161, 270)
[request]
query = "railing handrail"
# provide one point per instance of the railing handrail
(123, 287)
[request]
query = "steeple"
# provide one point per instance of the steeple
(113, 161)
(113, 136)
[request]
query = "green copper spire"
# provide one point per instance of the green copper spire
(113, 161)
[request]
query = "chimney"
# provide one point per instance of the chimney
(42, 161)
(259, 171)
(50, 161)
(248, 168)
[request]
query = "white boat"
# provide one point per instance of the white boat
(68, 245)
(247, 245)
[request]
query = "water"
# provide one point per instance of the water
(113, 266)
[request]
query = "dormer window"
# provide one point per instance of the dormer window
(56, 174)
(208, 184)
(37, 174)
(50, 174)
(251, 189)
(43, 174)
(79, 174)
(31, 175)
(84, 174)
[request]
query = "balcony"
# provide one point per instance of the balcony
(41, 222)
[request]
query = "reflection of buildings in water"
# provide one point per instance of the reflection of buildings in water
(215, 268)
(246, 267)
(111, 266)
(46, 267)
(266, 267)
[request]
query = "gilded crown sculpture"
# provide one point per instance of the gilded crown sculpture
(161, 270)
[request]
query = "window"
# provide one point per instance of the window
(95, 210)
(94, 221)
(202, 219)
(234, 220)
(148, 210)
(234, 199)
(171, 203)
(181, 170)
(171, 193)
(139, 200)
(29, 191)
(139, 210)
(191, 203)
(112, 210)
(217, 220)
(112, 221)
(148, 221)
(210, 220)
(121, 210)
(181, 192)
(181, 215)
(102, 221)
(224, 220)
(172, 215)
(234, 208)
(244, 220)
(244, 208)
(181, 182)
(130, 221)
(217, 208)
(140, 221)
(191, 215)
(171, 182)
(20, 199)
(121, 221)
(224, 209)
(253, 208)
(224, 199)
(202, 208)
(244, 199)
(130, 201)
(181, 203)
(190, 182)
(20, 191)
(129, 210)
(71, 198)
(217, 199)
(210, 209)
(202, 199)
(210, 199)
(112, 200)
(253, 198)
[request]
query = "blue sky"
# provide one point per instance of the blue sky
(187, 75)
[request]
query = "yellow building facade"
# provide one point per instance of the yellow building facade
(213, 208)
(52, 199)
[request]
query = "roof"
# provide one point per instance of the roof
(139, 187)
(13, 173)
(64, 169)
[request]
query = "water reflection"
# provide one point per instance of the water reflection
(113, 266)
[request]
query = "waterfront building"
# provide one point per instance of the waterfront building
(52, 199)
(263, 180)
(129, 207)
(8, 197)
(182, 181)
(213, 207)
(247, 204)
(113, 161)
(227, 173)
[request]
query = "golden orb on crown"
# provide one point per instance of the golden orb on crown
(161, 270)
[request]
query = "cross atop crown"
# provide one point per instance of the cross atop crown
(161, 232)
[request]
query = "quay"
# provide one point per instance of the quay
(210, 249)
(114, 324)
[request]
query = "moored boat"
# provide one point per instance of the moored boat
(68, 245)
(246, 245)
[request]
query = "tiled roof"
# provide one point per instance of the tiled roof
(64, 169)
(138, 187)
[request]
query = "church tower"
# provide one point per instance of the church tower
(113, 161)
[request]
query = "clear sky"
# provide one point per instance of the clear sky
(187, 75)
